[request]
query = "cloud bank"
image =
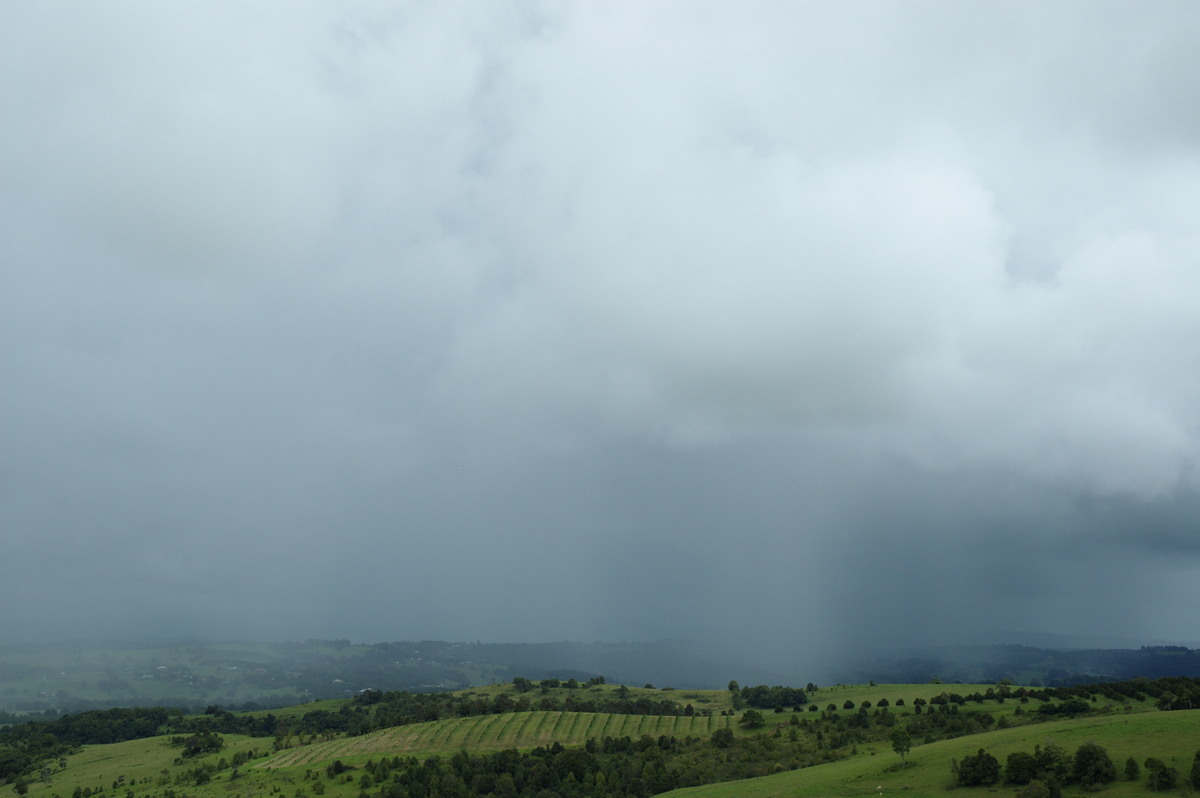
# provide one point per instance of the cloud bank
(539, 321)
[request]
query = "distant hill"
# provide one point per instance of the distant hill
(74, 676)
(1026, 664)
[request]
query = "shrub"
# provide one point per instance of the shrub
(978, 770)
(1020, 768)
(1093, 767)
(1159, 776)
(1035, 789)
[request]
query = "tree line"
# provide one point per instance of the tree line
(1047, 769)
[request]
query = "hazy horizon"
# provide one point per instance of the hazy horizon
(796, 329)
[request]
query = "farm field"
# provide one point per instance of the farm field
(520, 730)
(144, 766)
(339, 766)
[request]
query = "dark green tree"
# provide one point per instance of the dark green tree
(751, 718)
(1159, 775)
(978, 770)
(1195, 775)
(1093, 768)
(901, 742)
(1054, 763)
(1132, 769)
(722, 738)
(204, 742)
(1020, 768)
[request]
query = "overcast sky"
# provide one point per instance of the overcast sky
(794, 325)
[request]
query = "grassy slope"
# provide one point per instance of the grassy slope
(141, 762)
(520, 730)
(1173, 737)
(137, 764)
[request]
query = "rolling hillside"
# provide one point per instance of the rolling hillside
(816, 751)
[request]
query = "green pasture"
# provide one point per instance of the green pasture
(1173, 737)
(152, 766)
(141, 766)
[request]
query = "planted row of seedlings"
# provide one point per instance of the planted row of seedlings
(494, 732)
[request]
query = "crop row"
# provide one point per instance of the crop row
(521, 730)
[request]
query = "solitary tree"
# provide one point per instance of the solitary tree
(1132, 769)
(752, 718)
(1195, 776)
(901, 743)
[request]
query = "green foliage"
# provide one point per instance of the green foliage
(901, 742)
(978, 770)
(1071, 707)
(200, 743)
(1093, 768)
(1020, 768)
(1159, 775)
(814, 739)
(1035, 789)
(1054, 763)
(1132, 769)
(751, 719)
(1194, 777)
(765, 697)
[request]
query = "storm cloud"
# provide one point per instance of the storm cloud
(796, 325)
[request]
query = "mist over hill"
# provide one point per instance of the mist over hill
(79, 675)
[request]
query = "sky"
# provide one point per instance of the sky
(801, 327)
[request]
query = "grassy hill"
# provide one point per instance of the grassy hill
(1173, 737)
(520, 730)
(791, 743)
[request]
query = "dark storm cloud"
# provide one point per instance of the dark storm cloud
(550, 321)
